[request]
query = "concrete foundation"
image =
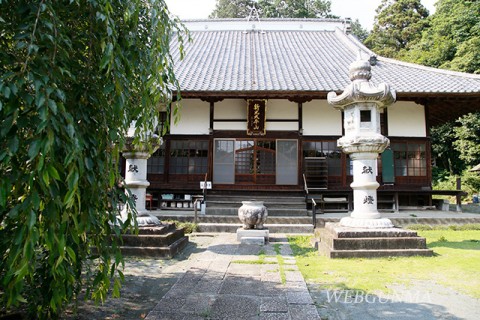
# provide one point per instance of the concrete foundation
(252, 236)
(337, 241)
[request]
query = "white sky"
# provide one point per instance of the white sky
(364, 10)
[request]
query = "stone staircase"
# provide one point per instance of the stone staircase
(160, 242)
(287, 212)
(230, 223)
(278, 205)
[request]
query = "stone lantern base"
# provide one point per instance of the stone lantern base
(366, 223)
(337, 241)
(163, 241)
(147, 219)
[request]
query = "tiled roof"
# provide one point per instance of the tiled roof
(306, 60)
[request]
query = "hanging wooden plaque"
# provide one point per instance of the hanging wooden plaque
(256, 117)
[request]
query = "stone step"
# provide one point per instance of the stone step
(405, 221)
(288, 212)
(167, 252)
(273, 228)
(157, 230)
(234, 219)
(377, 243)
(269, 205)
(379, 253)
(346, 233)
(152, 240)
(266, 199)
(344, 242)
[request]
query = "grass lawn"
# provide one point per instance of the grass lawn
(456, 264)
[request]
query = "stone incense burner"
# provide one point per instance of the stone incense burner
(252, 214)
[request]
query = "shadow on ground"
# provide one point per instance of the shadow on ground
(472, 244)
(147, 280)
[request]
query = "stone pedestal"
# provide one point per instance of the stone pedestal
(252, 236)
(337, 241)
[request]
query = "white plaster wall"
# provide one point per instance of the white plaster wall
(282, 126)
(282, 109)
(236, 109)
(194, 118)
(230, 126)
(406, 119)
(321, 119)
(230, 109)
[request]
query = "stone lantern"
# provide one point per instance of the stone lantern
(136, 174)
(361, 103)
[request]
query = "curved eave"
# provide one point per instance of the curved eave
(314, 94)
(218, 95)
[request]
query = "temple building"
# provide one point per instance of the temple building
(254, 115)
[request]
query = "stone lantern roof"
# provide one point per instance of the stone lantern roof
(361, 90)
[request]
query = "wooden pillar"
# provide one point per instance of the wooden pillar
(459, 196)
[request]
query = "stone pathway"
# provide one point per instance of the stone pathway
(239, 281)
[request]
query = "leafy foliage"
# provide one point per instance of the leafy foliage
(467, 141)
(447, 157)
(297, 9)
(453, 39)
(272, 8)
(232, 9)
(469, 180)
(282, 9)
(398, 23)
(73, 75)
(360, 32)
(456, 146)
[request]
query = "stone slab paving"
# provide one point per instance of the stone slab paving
(229, 281)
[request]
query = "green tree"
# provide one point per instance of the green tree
(232, 9)
(398, 23)
(272, 8)
(447, 157)
(360, 32)
(299, 9)
(467, 141)
(453, 39)
(73, 75)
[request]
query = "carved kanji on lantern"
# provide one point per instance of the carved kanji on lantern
(367, 170)
(368, 200)
(133, 168)
(256, 117)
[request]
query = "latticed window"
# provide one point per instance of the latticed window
(327, 150)
(156, 163)
(410, 159)
(188, 157)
